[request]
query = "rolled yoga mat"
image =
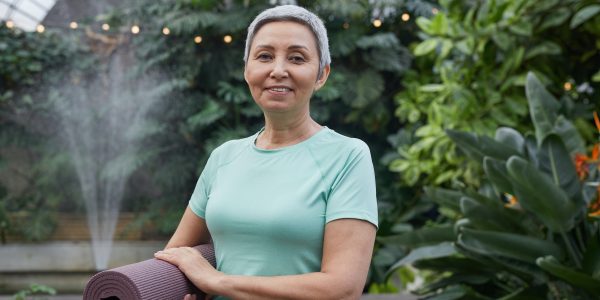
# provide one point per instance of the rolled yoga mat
(147, 280)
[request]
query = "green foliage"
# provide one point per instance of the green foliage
(34, 289)
(470, 69)
(543, 244)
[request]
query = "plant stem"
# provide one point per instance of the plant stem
(572, 252)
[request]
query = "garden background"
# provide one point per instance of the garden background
(479, 116)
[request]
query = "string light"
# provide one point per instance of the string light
(434, 11)
(10, 24)
(40, 28)
(105, 27)
(73, 25)
(405, 17)
(197, 39)
(135, 29)
(568, 86)
(377, 23)
(346, 25)
(227, 39)
(166, 31)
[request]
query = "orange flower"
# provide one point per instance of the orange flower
(595, 152)
(581, 165)
(511, 201)
(597, 121)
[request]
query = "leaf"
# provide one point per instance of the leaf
(584, 14)
(551, 265)
(591, 257)
(425, 47)
(420, 237)
(510, 137)
(555, 18)
(516, 246)
(484, 216)
(380, 40)
(208, 115)
(538, 194)
(477, 147)
(596, 77)
(444, 197)
(555, 161)
(570, 135)
(544, 48)
(498, 174)
(428, 252)
(543, 107)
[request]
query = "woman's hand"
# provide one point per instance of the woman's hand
(195, 267)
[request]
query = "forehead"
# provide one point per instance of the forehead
(284, 33)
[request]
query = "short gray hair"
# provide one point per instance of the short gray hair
(295, 14)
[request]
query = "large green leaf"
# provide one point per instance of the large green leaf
(591, 257)
(516, 246)
(538, 194)
(420, 237)
(510, 137)
(498, 174)
(444, 197)
(486, 216)
(428, 252)
(555, 161)
(477, 147)
(584, 14)
(569, 134)
(543, 107)
(568, 274)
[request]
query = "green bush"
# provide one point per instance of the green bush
(531, 231)
(469, 73)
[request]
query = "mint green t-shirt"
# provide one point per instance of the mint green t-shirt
(266, 210)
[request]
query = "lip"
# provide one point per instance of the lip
(270, 89)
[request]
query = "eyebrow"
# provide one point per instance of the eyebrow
(291, 47)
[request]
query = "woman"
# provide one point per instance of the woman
(291, 210)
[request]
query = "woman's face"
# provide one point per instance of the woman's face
(282, 67)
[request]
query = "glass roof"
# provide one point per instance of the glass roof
(26, 14)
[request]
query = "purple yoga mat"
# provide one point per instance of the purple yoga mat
(147, 280)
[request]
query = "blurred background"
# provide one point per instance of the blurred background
(479, 116)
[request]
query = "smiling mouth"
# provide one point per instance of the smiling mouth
(279, 89)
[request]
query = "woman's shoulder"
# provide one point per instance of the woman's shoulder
(230, 149)
(334, 141)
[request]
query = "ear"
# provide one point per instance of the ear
(321, 81)
(245, 73)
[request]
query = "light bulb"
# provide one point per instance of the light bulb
(135, 29)
(73, 25)
(10, 24)
(568, 86)
(105, 27)
(40, 28)
(405, 17)
(197, 39)
(377, 23)
(166, 31)
(227, 39)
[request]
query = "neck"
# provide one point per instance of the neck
(285, 131)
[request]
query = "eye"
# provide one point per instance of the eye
(263, 56)
(297, 59)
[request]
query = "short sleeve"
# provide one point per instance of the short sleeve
(352, 194)
(201, 193)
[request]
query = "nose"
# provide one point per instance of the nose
(279, 69)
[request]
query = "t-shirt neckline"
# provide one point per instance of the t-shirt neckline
(286, 148)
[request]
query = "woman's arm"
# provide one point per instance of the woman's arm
(191, 231)
(347, 250)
